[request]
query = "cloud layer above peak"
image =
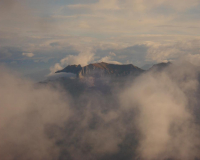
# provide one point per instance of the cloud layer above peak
(40, 34)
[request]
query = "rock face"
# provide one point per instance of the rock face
(102, 69)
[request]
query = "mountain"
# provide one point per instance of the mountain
(146, 66)
(160, 66)
(102, 69)
(71, 69)
(101, 77)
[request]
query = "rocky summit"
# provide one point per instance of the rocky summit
(102, 69)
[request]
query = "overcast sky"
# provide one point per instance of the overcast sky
(41, 36)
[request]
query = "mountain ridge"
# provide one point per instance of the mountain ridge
(102, 68)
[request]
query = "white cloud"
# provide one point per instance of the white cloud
(83, 58)
(26, 111)
(193, 59)
(112, 54)
(109, 59)
(55, 68)
(173, 50)
(164, 116)
(28, 54)
(101, 5)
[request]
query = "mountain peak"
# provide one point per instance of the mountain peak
(101, 69)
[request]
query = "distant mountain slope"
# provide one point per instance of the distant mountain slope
(71, 69)
(160, 66)
(146, 66)
(100, 69)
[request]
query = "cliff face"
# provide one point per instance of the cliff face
(102, 69)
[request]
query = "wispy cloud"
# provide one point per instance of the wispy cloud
(28, 54)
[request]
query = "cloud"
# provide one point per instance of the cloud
(109, 59)
(11, 53)
(28, 54)
(43, 122)
(165, 112)
(83, 58)
(154, 116)
(137, 5)
(146, 5)
(100, 5)
(55, 68)
(117, 17)
(102, 24)
(193, 59)
(160, 52)
(112, 54)
(26, 112)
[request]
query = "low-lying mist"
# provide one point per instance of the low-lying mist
(154, 116)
